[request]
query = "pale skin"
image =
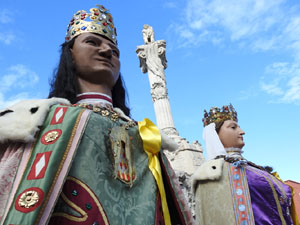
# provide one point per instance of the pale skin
(231, 135)
(97, 63)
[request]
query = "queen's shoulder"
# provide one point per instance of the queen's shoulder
(208, 171)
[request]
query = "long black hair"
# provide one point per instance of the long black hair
(64, 83)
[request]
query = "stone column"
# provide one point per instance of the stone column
(153, 60)
(187, 157)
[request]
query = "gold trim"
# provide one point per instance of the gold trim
(77, 208)
(60, 166)
(274, 195)
(101, 210)
(277, 182)
(82, 212)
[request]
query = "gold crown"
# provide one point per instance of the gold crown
(98, 21)
(215, 115)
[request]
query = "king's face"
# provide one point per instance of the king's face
(96, 59)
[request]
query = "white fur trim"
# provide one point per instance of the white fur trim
(209, 170)
(21, 124)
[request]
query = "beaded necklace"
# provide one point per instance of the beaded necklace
(105, 111)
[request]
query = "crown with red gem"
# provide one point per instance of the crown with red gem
(98, 21)
(217, 115)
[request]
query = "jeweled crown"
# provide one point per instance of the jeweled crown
(98, 21)
(217, 115)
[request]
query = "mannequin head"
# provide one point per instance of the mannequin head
(230, 134)
(89, 60)
(97, 63)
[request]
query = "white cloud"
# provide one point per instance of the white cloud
(256, 25)
(19, 77)
(6, 16)
(282, 80)
(260, 25)
(7, 38)
(292, 95)
(272, 88)
(17, 80)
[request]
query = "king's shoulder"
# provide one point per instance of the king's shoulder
(21, 121)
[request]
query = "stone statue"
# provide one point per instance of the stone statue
(148, 34)
(187, 157)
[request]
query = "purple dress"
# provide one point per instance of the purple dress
(270, 198)
(236, 193)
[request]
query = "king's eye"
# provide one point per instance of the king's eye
(116, 53)
(91, 42)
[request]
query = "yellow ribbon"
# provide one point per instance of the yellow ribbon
(152, 142)
(293, 207)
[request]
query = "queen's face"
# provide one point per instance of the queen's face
(96, 59)
(231, 135)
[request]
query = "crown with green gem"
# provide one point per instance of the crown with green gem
(98, 21)
(216, 115)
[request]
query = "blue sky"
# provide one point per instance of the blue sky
(243, 52)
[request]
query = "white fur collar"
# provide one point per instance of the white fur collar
(21, 121)
(209, 170)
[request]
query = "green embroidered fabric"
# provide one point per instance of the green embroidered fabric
(93, 165)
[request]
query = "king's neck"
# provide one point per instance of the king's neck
(88, 86)
(94, 98)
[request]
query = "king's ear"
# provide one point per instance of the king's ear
(72, 55)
